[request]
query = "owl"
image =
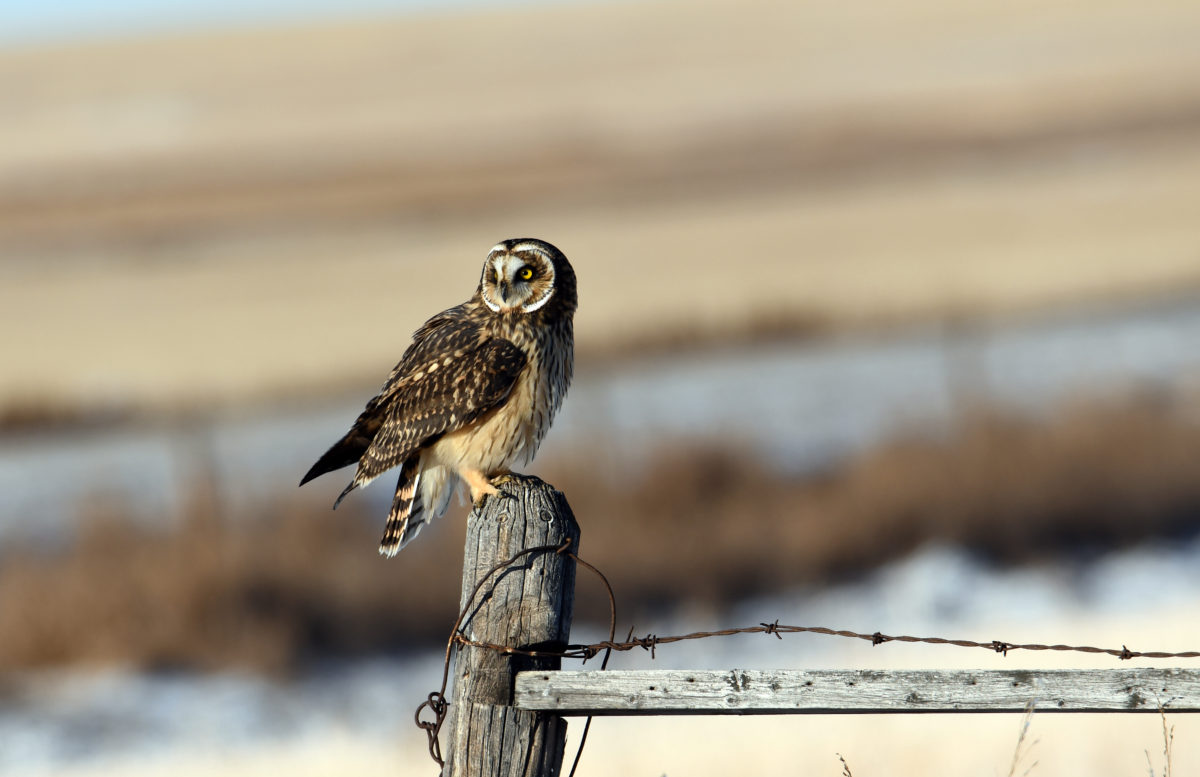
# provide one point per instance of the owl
(474, 392)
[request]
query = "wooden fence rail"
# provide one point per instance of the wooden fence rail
(507, 713)
(767, 692)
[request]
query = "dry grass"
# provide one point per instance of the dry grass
(719, 526)
(263, 593)
(1023, 751)
(1168, 733)
(297, 582)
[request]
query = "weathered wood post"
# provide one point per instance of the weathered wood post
(529, 605)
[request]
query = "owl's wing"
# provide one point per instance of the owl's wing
(446, 334)
(449, 333)
(441, 396)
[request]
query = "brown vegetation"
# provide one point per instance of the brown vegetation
(263, 593)
(702, 525)
(719, 526)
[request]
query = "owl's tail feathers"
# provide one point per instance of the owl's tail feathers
(407, 515)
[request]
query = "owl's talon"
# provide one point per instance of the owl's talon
(506, 479)
(479, 501)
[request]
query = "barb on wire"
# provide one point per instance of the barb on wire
(612, 635)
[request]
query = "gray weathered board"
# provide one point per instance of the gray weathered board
(758, 692)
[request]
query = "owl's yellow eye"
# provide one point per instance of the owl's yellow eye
(525, 273)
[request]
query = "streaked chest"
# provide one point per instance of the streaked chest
(516, 429)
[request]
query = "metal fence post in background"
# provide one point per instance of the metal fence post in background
(528, 605)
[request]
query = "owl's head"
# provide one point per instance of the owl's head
(525, 275)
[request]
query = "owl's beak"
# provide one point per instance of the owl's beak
(505, 290)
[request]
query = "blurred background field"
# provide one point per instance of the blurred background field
(889, 320)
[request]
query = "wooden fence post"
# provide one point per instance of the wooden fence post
(528, 605)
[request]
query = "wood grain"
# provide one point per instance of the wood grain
(528, 604)
(767, 692)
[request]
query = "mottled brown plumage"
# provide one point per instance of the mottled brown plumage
(476, 390)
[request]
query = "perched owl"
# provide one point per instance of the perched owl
(475, 392)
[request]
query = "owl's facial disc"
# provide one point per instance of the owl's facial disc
(517, 277)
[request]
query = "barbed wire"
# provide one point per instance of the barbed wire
(652, 641)
(437, 703)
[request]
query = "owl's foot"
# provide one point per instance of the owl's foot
(505, 479)
(502, 478)
(480, 486)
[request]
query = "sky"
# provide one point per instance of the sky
(24, 23)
